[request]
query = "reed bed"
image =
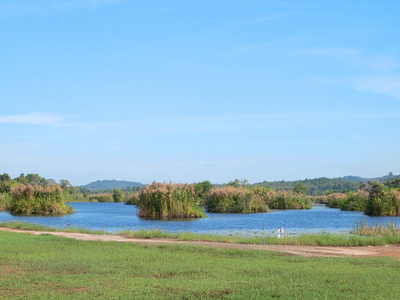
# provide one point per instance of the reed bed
(287, 200)
(102, 197)
(377, 201)
(133, 199)
(388, 229)
(167, 200)
(231, 199)
(348, 202)
(4, 201)
(30, 200)
(384, 203)
(258, 199)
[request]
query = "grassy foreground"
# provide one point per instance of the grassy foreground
(49, 267)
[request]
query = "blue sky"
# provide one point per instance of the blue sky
(187, 91)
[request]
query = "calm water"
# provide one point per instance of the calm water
(114, 217)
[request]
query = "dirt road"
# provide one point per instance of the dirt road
(307, 251)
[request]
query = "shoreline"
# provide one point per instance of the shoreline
(392, 251)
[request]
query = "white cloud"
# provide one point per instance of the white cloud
(32, 118)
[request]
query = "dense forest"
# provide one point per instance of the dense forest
(323, 185)
(313, 187)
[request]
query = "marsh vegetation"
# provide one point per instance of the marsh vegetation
(38, 200)
(167, 200)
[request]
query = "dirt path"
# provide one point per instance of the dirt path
(307, 251)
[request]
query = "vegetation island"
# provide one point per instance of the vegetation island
(33, 194)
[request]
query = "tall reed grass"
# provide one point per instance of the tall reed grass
(287, 200)
(352, 201)
(101, 197)
(4, 201)
(167, 200)
(230, 199)
(375, 201)
(132, 199)
(386, 203)
(388, 229)
(28, 199)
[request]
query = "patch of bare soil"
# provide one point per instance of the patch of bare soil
(307, 251)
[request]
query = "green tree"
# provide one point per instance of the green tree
(34, 179)
(235, 183)
(300, 188)
(5, 183)
(202, 189)
(117, 195)
(22, 179)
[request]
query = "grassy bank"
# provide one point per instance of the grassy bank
(40, 227)
(363, 235)
(322, 239)
(49, 267)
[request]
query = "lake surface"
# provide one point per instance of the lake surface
(113, 217)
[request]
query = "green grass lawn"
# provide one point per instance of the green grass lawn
(48, 267)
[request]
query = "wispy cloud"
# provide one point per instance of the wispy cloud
(387, 84)
(35, 118)
(377, 73)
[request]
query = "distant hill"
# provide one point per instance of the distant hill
(361, 179)
(111, 184)
(319, 186)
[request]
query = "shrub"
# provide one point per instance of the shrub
(28, 199)
(287, 200)
(162, 201)
(133, 199)
(384, 203)
(104, 197)
(117, 195)
(335, 200)
(4, 201)
(355, 201)
(232, 199)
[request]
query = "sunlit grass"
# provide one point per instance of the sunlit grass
(40, 227)
(52, 267)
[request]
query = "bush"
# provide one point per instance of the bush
(355, 201)
(4, 201)
(133, 199)
(335, 200)
(232, 199)
(28, 199)
(287, 200)
(104, 197)
(162, 201)
(386, 203)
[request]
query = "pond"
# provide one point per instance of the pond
(113, 217)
